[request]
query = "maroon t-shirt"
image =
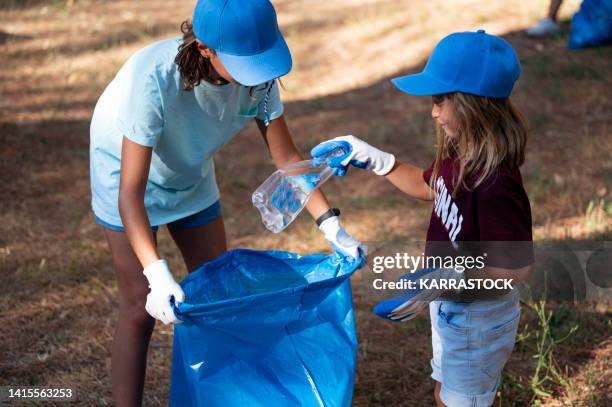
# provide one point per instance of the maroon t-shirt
(496, 214)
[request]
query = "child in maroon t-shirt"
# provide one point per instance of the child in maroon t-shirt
(480, 207)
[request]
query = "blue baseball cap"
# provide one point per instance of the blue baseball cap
(245, 36)
(469, 62)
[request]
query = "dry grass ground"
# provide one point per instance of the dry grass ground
(59, 294)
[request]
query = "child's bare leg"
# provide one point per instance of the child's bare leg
(134, 327)
(439, 402)
(553, 9)
(201, 244)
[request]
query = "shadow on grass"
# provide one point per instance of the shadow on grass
(21, 4)
(8, 37)
(101, 42)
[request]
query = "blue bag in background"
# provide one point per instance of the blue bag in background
(266, 328)
(591, 25)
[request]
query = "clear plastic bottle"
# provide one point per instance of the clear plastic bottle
(284, 194)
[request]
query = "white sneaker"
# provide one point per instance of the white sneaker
(545, 28)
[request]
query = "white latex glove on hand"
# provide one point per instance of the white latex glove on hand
(163, 287)
(340, 240)
(357, 153)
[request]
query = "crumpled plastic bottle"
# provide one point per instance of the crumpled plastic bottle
(282, 196)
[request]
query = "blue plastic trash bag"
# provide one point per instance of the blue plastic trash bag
(266, 328)
(591, 25)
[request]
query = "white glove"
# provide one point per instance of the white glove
(340, 240)
(163, 287)
(357, 153)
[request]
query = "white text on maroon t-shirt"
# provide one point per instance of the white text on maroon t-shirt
(447, 211)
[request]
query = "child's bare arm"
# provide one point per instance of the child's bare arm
(135, 163)
(409, 179)
(358, 153)
(284, 152)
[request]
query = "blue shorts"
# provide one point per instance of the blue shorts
(471, 343)
(192, 221)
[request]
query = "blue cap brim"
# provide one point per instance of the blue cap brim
(421, 84)
(251, 70)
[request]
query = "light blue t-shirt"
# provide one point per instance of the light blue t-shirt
(146, 103)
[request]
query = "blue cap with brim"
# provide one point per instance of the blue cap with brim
(470, 62)
(245, 36)
(259, 68)
(422, 84)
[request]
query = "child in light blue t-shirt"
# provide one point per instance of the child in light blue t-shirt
(154, 132)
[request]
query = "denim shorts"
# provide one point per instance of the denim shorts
(189, 222)
(471, 343)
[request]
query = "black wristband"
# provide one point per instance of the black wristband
(330, 213)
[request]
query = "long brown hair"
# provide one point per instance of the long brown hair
(492, 133)
(191, 64)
